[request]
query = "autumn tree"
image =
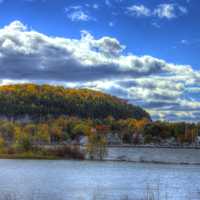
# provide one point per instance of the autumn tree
(42, 134)
(2, 144)
(96, 147)
(23, 141)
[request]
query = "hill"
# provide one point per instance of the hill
(45, 100)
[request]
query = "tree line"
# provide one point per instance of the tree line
(66, 130)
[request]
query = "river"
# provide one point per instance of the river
(85, 180)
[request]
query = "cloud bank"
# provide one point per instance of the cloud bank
(168, 91)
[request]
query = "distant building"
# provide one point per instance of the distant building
(198, 139)
(83, 140)
(113, 139)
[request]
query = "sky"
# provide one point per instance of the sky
(145, 51)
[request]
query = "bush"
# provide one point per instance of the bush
(2, 143)
(10, 150)
(65, 152)
(23, 144)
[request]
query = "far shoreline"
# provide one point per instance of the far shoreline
(5, 157)
(137, 156)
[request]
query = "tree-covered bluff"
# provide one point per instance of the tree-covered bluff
(39, 101)
(72, 118)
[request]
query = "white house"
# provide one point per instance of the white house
(113, 139)
(198, 139)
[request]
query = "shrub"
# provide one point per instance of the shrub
(65, 151)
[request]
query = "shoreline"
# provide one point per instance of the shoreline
(126, 153)
(25, 157)
(65, 159)
(22, 157)
(153, 146)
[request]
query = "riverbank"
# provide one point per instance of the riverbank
(27, 156)
(140, 154)
(53, 153)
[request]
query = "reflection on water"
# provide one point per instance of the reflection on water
(84, 180)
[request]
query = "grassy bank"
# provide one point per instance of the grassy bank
(27, 155)
(64, 152)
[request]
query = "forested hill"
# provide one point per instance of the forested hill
(45, 100)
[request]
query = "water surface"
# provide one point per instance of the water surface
(85, 180)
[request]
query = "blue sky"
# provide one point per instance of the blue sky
(146, 51)
(139, 34)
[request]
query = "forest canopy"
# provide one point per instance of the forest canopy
(45, 100)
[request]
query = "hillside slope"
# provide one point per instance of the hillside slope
(44, 100)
